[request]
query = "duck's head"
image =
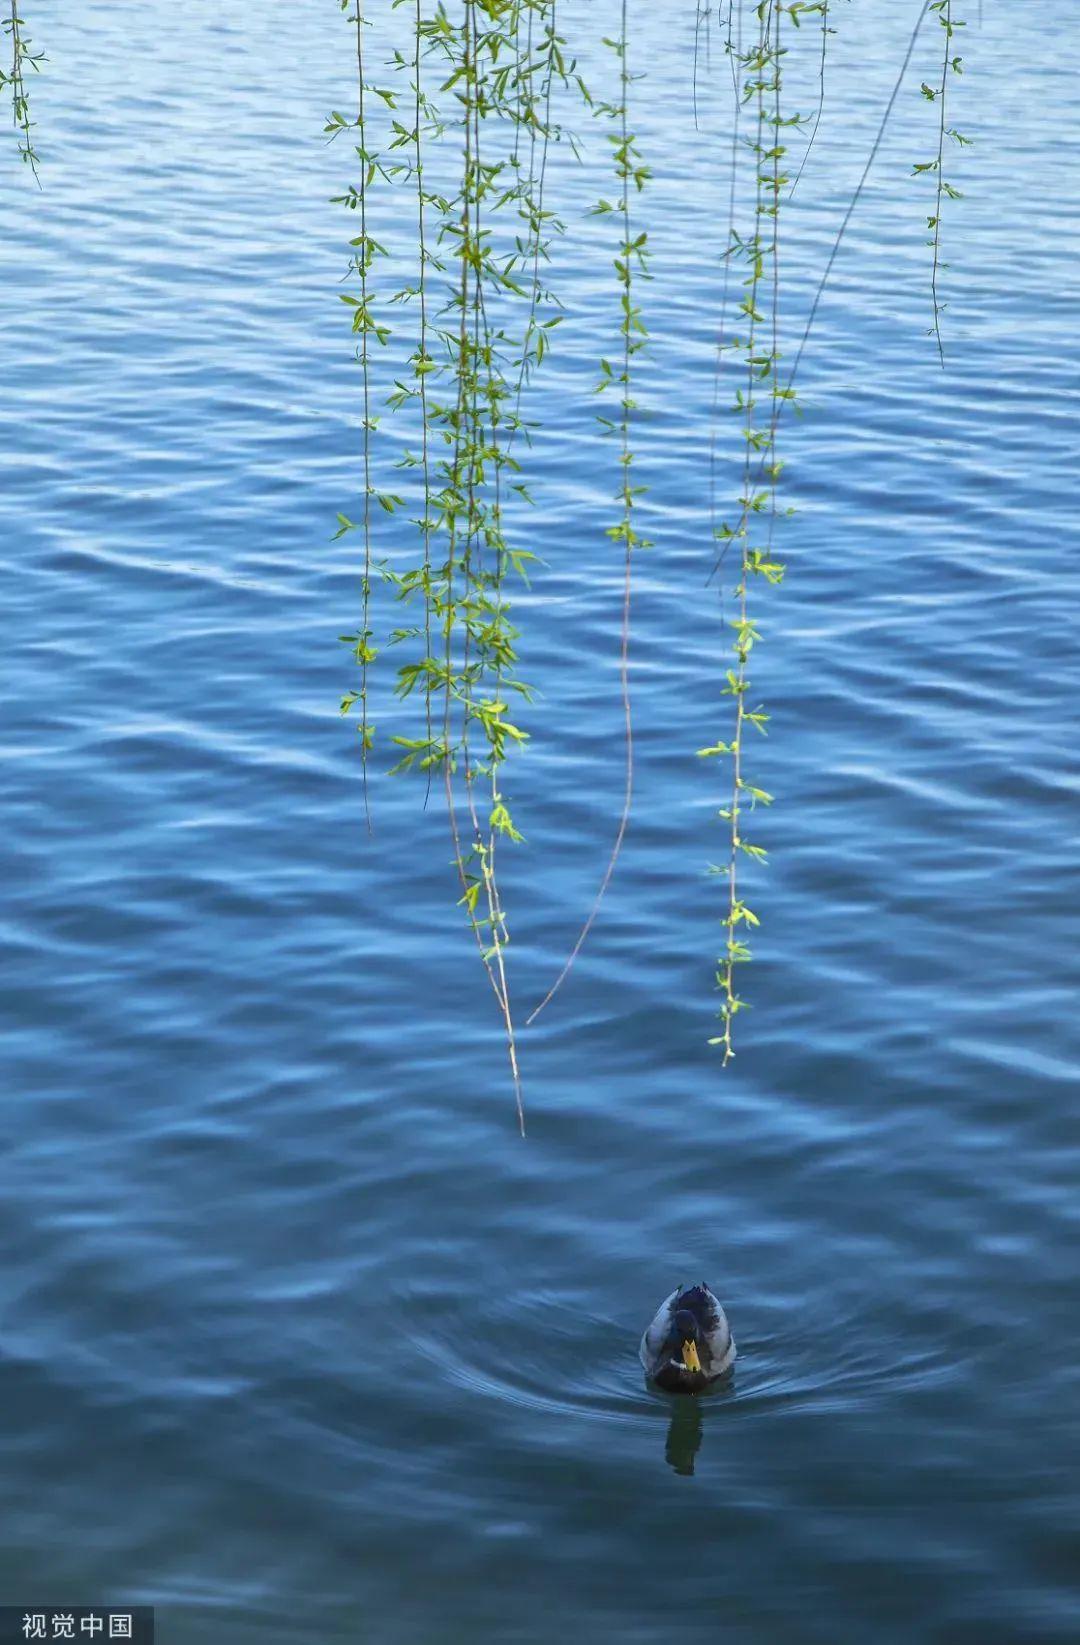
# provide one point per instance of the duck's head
(684, 1339)
(680, 1360)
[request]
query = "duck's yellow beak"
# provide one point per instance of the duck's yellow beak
(690, 1356)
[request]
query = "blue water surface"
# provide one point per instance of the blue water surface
(300, 1341)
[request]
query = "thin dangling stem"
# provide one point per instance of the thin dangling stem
(423, 364)
(21, 57)
(855, 198)
(787, 392)
(633, 336)
(733, 49)
(482, 349)
(944, 188)
(364, 648)
(466, 443)
(821, 95)
(734, 950)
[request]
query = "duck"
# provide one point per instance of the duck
(689, 1344)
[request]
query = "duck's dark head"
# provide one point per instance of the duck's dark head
(680, 1369)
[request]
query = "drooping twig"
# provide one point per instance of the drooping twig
(632, 255)
(22, 58)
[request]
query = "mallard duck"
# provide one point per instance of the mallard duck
(689, 1344)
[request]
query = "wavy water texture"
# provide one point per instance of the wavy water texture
(299, 1339)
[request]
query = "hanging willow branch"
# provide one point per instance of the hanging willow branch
(22, 59)
(366, 328)
(631, 263)
(759, 347)
(488, 637)
(458, 597)
(422, 361)
(480, 78)
(823, 8)
(754, 500)
(950, 65)
(733, 50)
(364, 651)
(482, 248)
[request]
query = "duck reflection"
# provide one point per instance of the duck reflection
(686, 1425)
(683, 1435)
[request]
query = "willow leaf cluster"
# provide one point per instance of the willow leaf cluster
(467, 122)
(23, 60)
(474, 91)
(759, 396)
(764, 391)
(459, 125)
(951, 63)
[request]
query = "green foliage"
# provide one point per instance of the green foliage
(757, 404)
(479, 83)
(951, 64)
(14, 79)
(631, 266)
(366, 327)
(476, 90)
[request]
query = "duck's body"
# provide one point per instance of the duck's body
(689, 1344)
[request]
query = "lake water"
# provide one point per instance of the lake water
(300, 1340)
